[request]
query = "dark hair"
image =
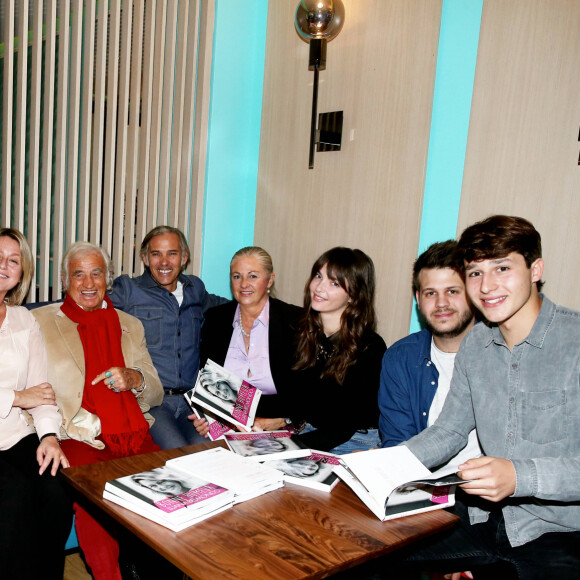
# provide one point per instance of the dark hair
(438, 256)
(160, 230)
(500, 235)
(355, 272)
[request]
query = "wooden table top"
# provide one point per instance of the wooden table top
(290, 533)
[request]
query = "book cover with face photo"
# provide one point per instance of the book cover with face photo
(169, 498)
(225, 395)
(315, 471)
(216, 428)
(266, 445)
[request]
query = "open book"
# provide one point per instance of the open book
(169, 497)
(266, 445)
(393, 483)
(225, 395)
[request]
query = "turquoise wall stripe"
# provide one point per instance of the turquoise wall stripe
(456, 58)
(234, 136)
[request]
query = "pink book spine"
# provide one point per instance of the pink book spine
(244, 402)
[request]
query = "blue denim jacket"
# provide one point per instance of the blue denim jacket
(409, 381)
(525, 404)
(172, 332)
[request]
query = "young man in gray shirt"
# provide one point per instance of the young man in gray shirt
(516, 380)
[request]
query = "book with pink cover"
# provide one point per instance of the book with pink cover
(217, 429)
(266, 445)
(315, 471)
(225, 395)
(169, 497)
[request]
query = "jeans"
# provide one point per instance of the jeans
(485, 550)
(360, 441)
(172, 428)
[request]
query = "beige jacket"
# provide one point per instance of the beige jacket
(66, 370)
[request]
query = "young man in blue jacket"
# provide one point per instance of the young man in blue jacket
(416, 371)
(170, 305)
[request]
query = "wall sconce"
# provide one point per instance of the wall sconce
(318, 22)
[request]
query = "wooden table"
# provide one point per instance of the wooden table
(290, 533)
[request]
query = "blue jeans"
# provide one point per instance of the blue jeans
(360, 441)
(172, 428)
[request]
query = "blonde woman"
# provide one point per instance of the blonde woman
(36, 514)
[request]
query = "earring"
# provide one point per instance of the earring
(268, 290)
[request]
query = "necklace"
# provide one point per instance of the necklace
(244, 333)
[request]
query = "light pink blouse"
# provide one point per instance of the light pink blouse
(22, 365)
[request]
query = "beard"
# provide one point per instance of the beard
(465, 319)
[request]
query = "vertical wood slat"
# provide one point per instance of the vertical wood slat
(20, 137)
(74, 120)
(99, 125)
(34, 140)
(145, 130)
(86, 121)
(109, 144)
(61, 147)
(122, 130)
(156, 114)
(7, 112)
(133, 144)
(92, 155)
(167, 104)
(47, 150)
(175, 192)
(202, 101)
(183, 186)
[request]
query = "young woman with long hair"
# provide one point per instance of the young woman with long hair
(339, 354)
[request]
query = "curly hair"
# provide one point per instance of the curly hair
(438, 256)
(355, 272)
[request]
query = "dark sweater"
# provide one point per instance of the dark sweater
(338, 411)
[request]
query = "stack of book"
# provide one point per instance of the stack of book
(193, 487)
(169, 497)
(245, 478)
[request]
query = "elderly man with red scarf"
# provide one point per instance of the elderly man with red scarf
(104, 382)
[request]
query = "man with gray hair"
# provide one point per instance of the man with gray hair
(104, 382)
(170, 305)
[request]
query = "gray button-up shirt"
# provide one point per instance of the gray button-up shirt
(525, 404)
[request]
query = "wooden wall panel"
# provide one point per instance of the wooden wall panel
(380, 72)
(522, 150)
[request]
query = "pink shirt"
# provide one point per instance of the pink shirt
(22, 365)
(253, 366)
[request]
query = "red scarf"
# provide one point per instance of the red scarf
(123, 427)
